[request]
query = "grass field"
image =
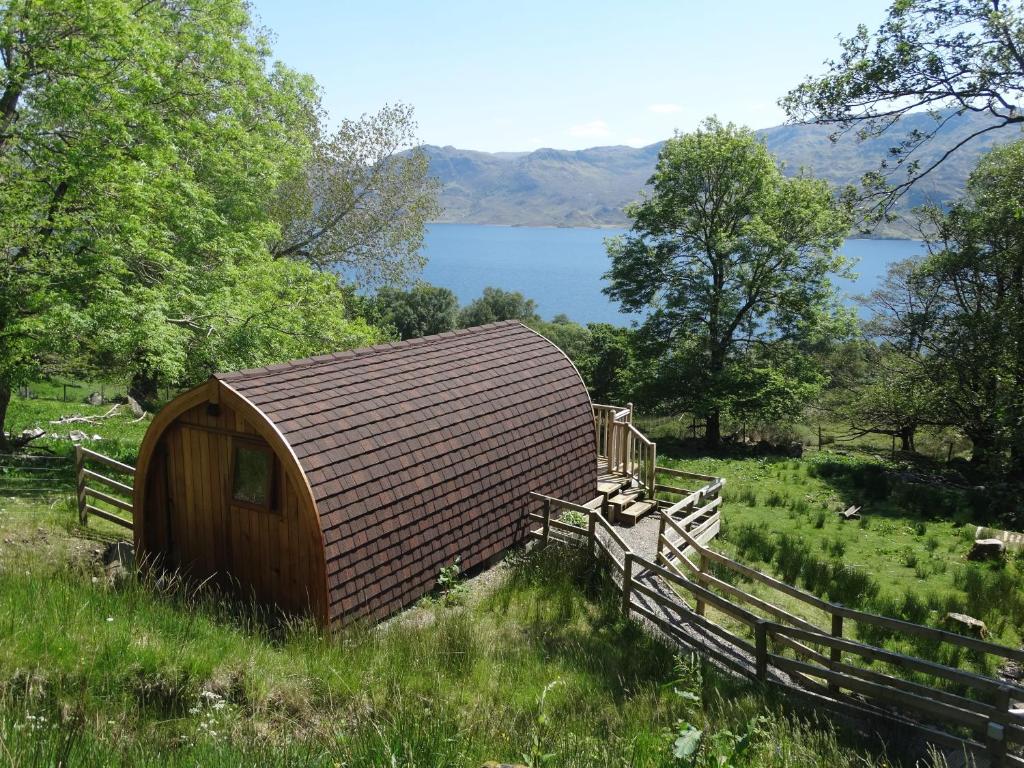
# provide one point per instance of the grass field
(906, 556)
(539, 668)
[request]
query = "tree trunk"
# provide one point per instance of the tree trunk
(5, 401)
(713, 430)
(907, 439)
(145, 388)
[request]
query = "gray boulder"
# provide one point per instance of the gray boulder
(987, 549)
(94, 399)
(966, 625)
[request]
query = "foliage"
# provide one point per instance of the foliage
(956, 318)
(496, 305)
(360, 203)
(948, 58)
(422, 310)
(732, 260)
(149, 158)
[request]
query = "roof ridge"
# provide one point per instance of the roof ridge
(363, 351)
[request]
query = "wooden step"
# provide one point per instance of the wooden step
(636, 511)
(619, 502)
(610, 487)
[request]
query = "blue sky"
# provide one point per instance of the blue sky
(517, 76)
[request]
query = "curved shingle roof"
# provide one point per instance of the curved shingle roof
(422, 451)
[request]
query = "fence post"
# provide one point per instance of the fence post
(701, 566)
(547, 519)
(761, 650)
(627, 582)
(659, 558)
(835, 654)
(83, 517)
(592, 531)
(995, 733)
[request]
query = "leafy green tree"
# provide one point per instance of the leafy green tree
(142, 147)
(975, 339)
(361, 202)
(495, 305)
(421, 311)
(731, 260)
(945, 56)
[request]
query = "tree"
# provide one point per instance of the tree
(892, 392)
(360, 204)
(142, 147)
(945, 56)
(731, 261)
(495, 305)
(976, 339)
(421, 311)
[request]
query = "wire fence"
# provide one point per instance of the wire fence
(35, 474)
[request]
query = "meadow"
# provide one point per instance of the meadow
(533, 663)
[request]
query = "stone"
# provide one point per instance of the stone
(967, 625)
(137, 410)
(118, 561)
(987, 549)
(94, 399)
(795, 450)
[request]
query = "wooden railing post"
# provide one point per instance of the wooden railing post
(660, 558)
(547, 519)
(995, 733)
(701, 566)
(627, 582)
(83, 517)
(835, 654)
(592, 529)
(761, 650)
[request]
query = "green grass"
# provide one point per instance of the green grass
(540, 668)
(905, 557)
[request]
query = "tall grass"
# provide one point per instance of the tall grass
(542, 668)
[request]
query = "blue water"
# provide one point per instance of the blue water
(561, 269)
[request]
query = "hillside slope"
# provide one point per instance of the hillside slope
(552, 187)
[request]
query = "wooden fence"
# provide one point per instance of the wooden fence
(948, 706)
(117, 494)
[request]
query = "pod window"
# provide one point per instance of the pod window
(253, 470)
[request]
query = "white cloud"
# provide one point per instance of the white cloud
(664, 109)
(595, 129)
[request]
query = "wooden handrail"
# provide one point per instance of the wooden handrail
(835, 609)
(881, 689)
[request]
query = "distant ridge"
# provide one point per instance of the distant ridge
(589, 187)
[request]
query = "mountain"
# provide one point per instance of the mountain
(589, 187)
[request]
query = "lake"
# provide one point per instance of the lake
(561, 269)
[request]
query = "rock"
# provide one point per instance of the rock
(32, 434)
(94, 399)
(118, 561)
(795, 450)
(77, 436)
(137, 410)
(967, 625)
(987, 549)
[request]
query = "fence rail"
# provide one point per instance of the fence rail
(117, 493)
(985, 707)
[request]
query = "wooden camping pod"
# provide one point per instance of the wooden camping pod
(340, 485)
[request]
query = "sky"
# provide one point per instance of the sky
(500, 76)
